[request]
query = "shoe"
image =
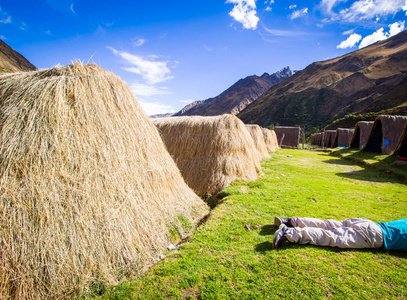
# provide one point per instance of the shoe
(279, 236)
(278, 221)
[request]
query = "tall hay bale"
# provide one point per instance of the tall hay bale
(257, 136)
(319, 139)
(89, 195)
(211, 152)
(361, 133)
(270, 139)
(385, 133)
(288, 137)
(329, 138)
(343, 137)
(401, 150)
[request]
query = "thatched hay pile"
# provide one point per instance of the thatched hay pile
(288, 137)
(270, 139)
(329, 138)
(89, 195)
(343, 137)
(361, 133)
(385, 133)
(401, 150)
(211, 152)
(257, 136)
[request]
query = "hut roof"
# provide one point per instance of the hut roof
(361, 133)
(401, 150)
(257, 135)
(89, 195)
(270, 139)
(288, 137)
(329, 138)
(385, 134)
(211, 152)
(343, 137)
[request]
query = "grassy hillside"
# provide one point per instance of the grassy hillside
(12, 61)
(231, 257)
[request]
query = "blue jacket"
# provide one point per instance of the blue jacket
(394, 234)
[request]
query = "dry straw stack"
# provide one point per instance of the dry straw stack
(89, 194)
(361, 133)
(385, 134)
(270, 139)
(343, 137)
(257, 136)
(211, 152)
(329, 138)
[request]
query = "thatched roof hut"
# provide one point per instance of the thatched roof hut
(385, 133)
(270, 139)
(257, 135)
(343, 137)
(319, 138)
(211, 152)
(288, 137)
(329, 138)
(401, 150)
(89, 195)
(361, 133)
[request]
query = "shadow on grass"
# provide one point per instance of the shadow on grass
(376, 167)
(267, 230)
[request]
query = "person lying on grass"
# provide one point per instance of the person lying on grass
(355, 233)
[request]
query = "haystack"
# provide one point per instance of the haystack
(288, 137)
(385, 133)
(89, 195)
(270, 139)
(319, 138)
(211, 152)
(329, 138)
(343, 137)
(257, 136)
(401, 150)
(361, 133)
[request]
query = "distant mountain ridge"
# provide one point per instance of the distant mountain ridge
(237, 97)
(370, 79)
(12, 61)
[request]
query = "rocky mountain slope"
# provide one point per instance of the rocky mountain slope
(368, 80)
(12, 61)
(237, 97)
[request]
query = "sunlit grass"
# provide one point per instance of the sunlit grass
(226, 260)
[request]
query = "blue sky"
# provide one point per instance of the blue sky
(174, 52)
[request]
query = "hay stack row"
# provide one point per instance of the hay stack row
(90, 196)
(387, 135)
(212, 152)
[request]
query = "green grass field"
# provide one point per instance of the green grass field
(226, 260)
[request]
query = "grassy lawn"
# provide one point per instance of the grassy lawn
(225, 260)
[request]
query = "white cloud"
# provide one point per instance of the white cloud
(2, 37)
(396, 28)
(405, 8)
(244, 12)
(187, 101)
(371, 9)
(328, 5)
(139, 42)
(299, 13)
(6, 20)
(152, 71)
(380, 35)
(154, 108)
(351, 41)
(207, 48)
(141, 89)
(268, 8)
(348, 32)
(292, 6)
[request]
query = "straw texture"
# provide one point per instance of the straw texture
(361, 133)
(401, 149)
(259, 142)
(343, 137)
(385, 134)
(270, 139)
(211, 152)
(89, 195)
(288, 137)
(329, 138)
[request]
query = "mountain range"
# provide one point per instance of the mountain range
(12, 61)
(237, 97)
(370, 80)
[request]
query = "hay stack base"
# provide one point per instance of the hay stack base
(211, 152)
(270, 139)
(89, 195)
